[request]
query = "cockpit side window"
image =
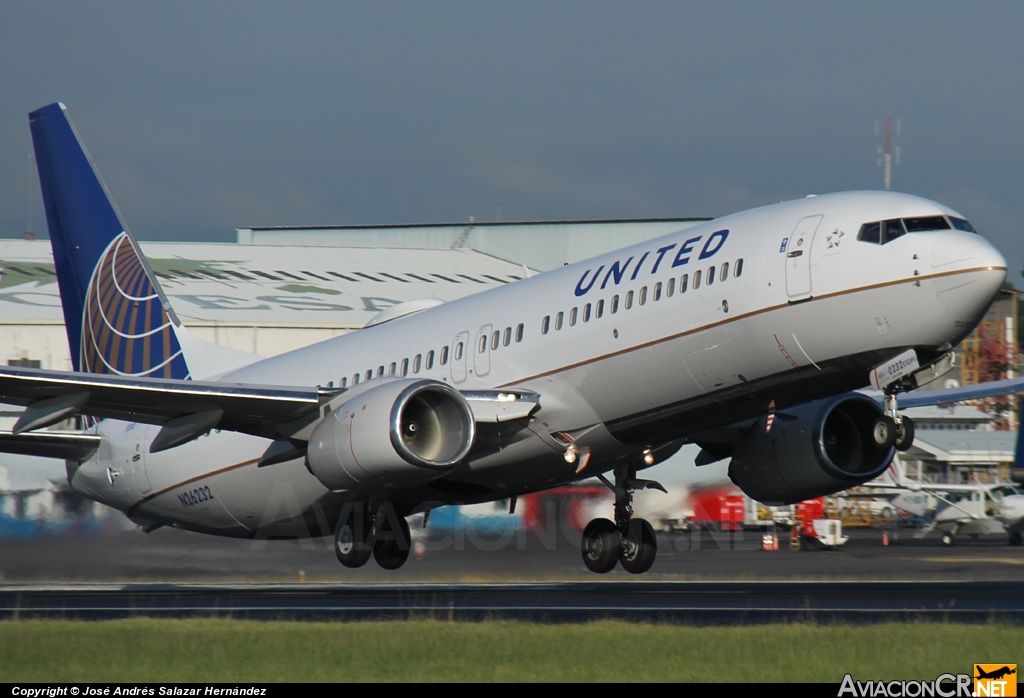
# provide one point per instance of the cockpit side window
(961, 224)
(882, 231)
(870, 232)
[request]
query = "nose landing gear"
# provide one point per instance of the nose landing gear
(628, 540)
(893, 429)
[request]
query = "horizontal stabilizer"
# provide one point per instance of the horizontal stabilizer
(51, 444)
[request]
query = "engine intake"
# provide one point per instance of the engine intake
(813, 450)
(395, 433)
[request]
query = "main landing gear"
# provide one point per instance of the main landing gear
(386, 536)
(893, 429)
(628, 540)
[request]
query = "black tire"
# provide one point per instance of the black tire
(391, 548)
(640, 548)
(904, 434)
(351, 541)
(1016, 538)
(601, 546)
(883, 433)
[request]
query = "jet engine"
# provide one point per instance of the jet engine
(812, 450)
(396, 433)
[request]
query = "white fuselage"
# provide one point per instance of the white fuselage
(650, 366)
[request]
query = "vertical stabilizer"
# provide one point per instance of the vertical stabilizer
(117, 317)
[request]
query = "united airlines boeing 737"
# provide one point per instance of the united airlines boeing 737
(747, 335)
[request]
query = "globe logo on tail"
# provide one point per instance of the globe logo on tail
(126, 330)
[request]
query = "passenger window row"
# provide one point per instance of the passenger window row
(660, 290)
(426, 363)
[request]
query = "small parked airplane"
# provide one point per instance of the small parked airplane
(746, 335)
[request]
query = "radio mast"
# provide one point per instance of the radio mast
(886, 157)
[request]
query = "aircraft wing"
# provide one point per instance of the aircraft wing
(923, 398)
(186, 408)
(259, 410)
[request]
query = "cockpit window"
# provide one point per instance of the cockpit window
(961, 224)
(925, 223)
(881, 232)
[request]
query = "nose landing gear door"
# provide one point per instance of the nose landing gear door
(798, 259)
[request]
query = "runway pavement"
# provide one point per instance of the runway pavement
(701, 602)
(169, 555)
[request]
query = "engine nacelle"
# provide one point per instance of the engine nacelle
(397, 433)
(812, 450)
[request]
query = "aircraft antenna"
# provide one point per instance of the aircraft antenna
(886, 157)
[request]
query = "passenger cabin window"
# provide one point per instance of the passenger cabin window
(355, 379)
(711, 276)
(572, 317)
(670, 287)
(724, 272)
(391, 368)
(643, 295)
(380, 371)
(657, 291)
(629, 301)
(369, 374)
(558, 320)
(458, 351)
(483, 345)
(739, 268)
(416, 363)
(430, 359)
(444, 356)
(599, 308)
(696, 279)
(495, 339)
(519, 332)
(343, 383)
(586, 313)
(405, 367)
(615, 304)
(507, 337)
(545, 324)
(683, 281)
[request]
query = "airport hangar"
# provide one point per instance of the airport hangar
(281, 288)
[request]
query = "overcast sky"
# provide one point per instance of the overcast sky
(207, 116)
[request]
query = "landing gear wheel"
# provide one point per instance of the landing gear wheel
(947, 539)
(351, 541)
(1016, 538)
(884, 432)
(601, 546)
(904, 434)
(640, 547)
(391, 548)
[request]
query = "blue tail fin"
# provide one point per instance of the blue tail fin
(117, 317)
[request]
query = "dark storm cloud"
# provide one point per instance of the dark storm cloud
(207, 116)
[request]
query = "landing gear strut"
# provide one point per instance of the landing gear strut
(386, 536)
(628, 540)
(893, 429)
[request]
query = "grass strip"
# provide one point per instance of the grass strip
(205, 650)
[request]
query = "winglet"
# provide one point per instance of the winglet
(117, 317)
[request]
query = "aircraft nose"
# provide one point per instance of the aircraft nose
(968, 273)
(1013, 508)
